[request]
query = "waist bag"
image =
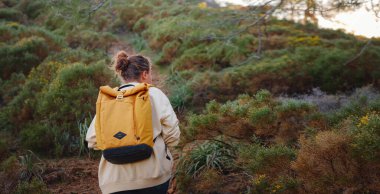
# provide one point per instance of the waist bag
(124, 124)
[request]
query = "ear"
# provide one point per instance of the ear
(144, 75)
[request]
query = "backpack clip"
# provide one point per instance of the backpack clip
(120, 95)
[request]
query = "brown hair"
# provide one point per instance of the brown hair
(130, 67)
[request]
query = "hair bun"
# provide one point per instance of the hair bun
(121, 54)
(122, 61)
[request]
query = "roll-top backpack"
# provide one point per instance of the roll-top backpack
(124, 124)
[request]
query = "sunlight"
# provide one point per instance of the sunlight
(359, 22)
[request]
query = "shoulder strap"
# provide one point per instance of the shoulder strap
(114, 91)
(124, 86)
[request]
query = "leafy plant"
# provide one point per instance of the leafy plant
(31, 166)
(215, 155)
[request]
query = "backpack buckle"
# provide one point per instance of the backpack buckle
(120, 95)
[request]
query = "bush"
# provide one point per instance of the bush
(203, 166)
(19, 111)
(180, 92)
(366, 137)
(31, 8)
(342, 160)
(89, 40)
(210, 155)
(22, 56)
(11, 14)
(35, 186)
(11, 87)
(41, 114)
(128, 15)
(57, 101)
(272, 161)
(9, 174)
(261, 115)
(361, 102)
(38, 137)
(209, 181)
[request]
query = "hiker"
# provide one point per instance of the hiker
(151, 175)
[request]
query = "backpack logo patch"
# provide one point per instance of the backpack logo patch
(120, 135)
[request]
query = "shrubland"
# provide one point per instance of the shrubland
(242, 92)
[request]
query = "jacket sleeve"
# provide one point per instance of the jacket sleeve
(168, 120)
(91, 135)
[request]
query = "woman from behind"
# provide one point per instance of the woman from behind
(151, 175)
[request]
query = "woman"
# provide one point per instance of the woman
(153, 174)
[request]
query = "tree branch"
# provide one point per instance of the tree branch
(360, 53)
(97, 7)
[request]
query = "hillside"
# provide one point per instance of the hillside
(280, 107)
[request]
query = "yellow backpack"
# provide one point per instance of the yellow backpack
(124, 124)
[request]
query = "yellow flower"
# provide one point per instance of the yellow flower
(12, 24)
(364, 120)
(202, 5)
(259, 179)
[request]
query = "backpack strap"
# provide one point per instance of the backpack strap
(124, 86)
(134, 90)
(154, 140)
(166, 147)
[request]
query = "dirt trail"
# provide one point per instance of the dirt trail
(72, 175)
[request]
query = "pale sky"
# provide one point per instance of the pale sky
(359, 22)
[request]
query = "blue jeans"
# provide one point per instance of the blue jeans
(159, 189)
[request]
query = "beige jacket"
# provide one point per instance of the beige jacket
(150, 172)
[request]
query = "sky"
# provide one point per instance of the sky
(359, 22)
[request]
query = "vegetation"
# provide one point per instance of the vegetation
(238, 88)
(260, 115)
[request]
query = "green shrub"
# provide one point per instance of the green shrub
(38, 137)
(358, 105)
(19, 111)
(11, 14)
(11, 87)
(273, 161)
(366, 137)
(138, 43)
(31, 167)
(57, 101)
(211, 155)
(83, 128)
(9, 163)
(180, 92)
(35, 186)
(22, 56)
(199, 123)
(90, 40)
(128, 15)
(304, 41)
(211, 158)
(9, 31)
(261, 115)
(9, 174)
(31, 8)
(41, 114)
(261, 184)
(169, 51)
